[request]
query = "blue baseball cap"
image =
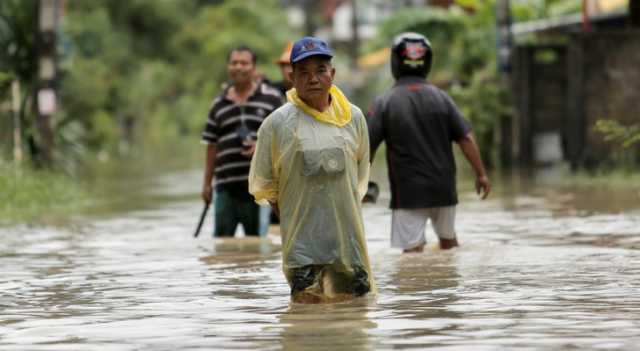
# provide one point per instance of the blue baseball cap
(309, 46)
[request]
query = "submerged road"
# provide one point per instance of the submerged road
(540, 267)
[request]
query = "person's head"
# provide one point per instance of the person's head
(411, 55)
(241, 65)
(312, 72)
(285, 64)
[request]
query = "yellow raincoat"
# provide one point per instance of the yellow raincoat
(315, 165)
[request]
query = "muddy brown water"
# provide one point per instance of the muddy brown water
(541, 267)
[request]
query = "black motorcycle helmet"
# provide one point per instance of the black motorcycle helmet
(411, 55)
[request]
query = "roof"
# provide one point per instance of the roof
(564, 22)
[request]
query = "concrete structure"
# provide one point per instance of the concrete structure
(562, 87)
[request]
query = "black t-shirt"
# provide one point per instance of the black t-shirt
(418, 122)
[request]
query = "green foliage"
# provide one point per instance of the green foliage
(32, 195)
(18, 23)
(626, 136)
(136, 70)
(525, 10)
(147, 69)
(18, 60)
(482, 100)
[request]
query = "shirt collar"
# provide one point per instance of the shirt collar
(259, 91)
(410, 80)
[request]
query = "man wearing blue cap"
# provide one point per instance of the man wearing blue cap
(312, 165)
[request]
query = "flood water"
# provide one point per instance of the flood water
(541, 267)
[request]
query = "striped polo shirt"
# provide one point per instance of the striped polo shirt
(223, 123)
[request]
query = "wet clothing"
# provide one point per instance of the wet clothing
(354, 282)
(408, 225)
(418, 122)
(228, 122)
(316, 167)
(233, 206)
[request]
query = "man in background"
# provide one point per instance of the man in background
(419, 123)
(285, 68)
(230, 134)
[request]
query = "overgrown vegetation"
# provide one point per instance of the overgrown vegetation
(30, 195)
(625, 140)
(625, 136)
(133, 75)
(133, 71)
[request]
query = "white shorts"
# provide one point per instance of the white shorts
(408, 225)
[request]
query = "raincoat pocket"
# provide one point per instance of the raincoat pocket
(311, 162)
(333, 160)
(330, 160)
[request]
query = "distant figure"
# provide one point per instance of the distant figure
(419, 122)
(230, 132)
(285, 68)
(312, 166)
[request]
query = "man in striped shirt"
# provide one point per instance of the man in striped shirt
(230, 133)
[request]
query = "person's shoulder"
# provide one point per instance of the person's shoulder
(286, 110)
(387, 95)
(442, 96)
(280, 119)
(219, 100)
(436, 90)
(270, 91)
(282, 113)
(356, 112)
(357, 116)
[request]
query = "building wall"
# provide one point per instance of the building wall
(540, 79)
(596, 76)
(610, 82)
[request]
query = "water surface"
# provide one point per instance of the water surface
(541, 267)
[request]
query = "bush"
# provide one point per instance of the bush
(37, 195)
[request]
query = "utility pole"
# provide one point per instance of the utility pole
(586, 24)
(17, 125)
(354, 48)
(504, 47)
(46, 98)
(309, 8)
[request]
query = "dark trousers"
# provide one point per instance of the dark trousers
(231, 210)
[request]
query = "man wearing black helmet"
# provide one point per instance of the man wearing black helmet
(419, 122)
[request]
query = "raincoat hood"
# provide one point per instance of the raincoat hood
(338, 113)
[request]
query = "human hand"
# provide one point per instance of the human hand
(249, 147)
(206, 193)
(483, 185)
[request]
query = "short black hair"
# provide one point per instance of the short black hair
(327, 59)
(240, 48)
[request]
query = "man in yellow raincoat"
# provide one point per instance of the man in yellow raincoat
(312, 165)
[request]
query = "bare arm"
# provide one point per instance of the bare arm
(210, 164)
(472, 153)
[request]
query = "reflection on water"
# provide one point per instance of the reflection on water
(340, 326)
(540, 267)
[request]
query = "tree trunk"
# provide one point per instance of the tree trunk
(46, 98)
(17, 125)
(309, 7)
(354, 48)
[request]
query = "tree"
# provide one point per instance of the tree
(18, 57)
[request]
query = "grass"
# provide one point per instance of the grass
(615, 177)
(37, 196)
